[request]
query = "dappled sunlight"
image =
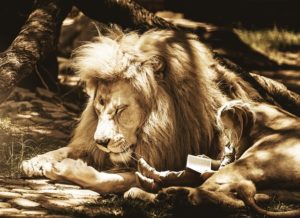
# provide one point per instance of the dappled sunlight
(71, 80)
(34, 196)
(291, 78)
(279, 45)
(276, 118)
(290, 151)
(224, 179)
(263, 156)
(32, 123)
(176, 85)
(25, 203)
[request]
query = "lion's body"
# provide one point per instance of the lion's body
(176, 86)
(267, 142)
(274, 146)
(270, 162)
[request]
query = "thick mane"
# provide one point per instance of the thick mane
(171, 73)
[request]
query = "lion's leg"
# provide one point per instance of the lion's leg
(152, 180)
(88, 177)
(83, 136)
(200, 195)
(166, 178)
(36, 165)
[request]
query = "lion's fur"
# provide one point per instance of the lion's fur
(180, 107)
(180, 87)
(242, 117)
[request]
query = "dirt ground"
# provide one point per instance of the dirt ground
(32, 123)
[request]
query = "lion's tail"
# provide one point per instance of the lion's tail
(247, 191)
(291, 213)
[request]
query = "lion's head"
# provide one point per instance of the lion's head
(236, 119)
(150, 96)
(119, 118)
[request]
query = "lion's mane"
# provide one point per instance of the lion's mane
(172, 73)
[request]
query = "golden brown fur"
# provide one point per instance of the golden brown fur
(178, 86)
(271, 159)
(235, 120)
(179, 100)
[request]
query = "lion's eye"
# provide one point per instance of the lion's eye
(120, 109)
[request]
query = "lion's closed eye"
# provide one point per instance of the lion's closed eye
(122, 114)
(120, 110)
(126, 117)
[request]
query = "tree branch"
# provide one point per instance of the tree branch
(126, 13)
(36, 39)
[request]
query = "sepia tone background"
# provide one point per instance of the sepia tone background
(261, 36)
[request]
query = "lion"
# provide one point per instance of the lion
(152, 95)
(265, 143)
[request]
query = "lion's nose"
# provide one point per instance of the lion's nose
(104, 142)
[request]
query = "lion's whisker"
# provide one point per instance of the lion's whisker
(131, 156)
(138, 156)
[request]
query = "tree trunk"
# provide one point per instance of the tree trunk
(37, 38)
(125, 13)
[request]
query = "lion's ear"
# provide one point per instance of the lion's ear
(158, 65)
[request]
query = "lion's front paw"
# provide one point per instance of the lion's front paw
(36, 165)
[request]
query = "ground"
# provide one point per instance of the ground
(33, 122)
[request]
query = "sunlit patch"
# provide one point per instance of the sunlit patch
(25, 203)
(68, 22)
(257, 172)
(263, 155)
(223, 179)
(290, 151)
(273, 42)
(24, 116)
(283, 122)
(41, 131)
(66, 202)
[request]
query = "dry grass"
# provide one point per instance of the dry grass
(12, 147)
(17, 145)
(280, 45)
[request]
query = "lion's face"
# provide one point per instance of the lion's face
(119, 117)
